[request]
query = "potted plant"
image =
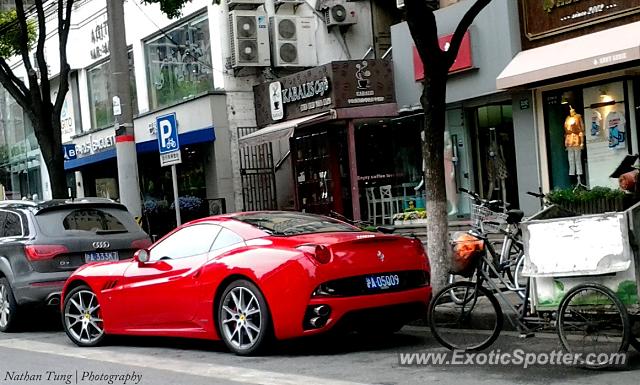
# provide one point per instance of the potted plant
(595, 201)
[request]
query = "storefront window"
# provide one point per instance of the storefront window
(495, 153)
(157, 189)
(19, 152)
(389, 156)
(179, 63)
(587, 134)
(100, 89)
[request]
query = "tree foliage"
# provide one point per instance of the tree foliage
(10, 33)
(172, 8)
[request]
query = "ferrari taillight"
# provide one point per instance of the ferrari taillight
(320, 253)
(42, 252)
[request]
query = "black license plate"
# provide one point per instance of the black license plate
(382, 282)
(101, 256)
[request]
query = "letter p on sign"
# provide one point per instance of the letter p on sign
(167, 133)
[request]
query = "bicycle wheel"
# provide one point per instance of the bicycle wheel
(453, 278)
(594, 323)
(471, 324)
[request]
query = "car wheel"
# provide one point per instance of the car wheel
(82, 317)
(8, 307)
(243, 318)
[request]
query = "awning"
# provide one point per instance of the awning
(282, 130)
(593, 51)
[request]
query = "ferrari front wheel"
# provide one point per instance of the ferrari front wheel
(243, 318)
(82, 317)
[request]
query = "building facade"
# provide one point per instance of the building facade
(483, 152)
(580, 64)
(202, 67)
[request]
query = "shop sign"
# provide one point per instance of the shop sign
(544, 18)
(94, 143)
(99, 39)
(334, 85)
(463, 62)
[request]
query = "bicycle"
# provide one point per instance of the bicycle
(492, 217)
(474, 321)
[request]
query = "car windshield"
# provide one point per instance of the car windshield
(294, 223)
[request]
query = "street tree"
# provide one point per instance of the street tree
(23, 30)
(436, 62)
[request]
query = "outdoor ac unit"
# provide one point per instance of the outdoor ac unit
(292, 41)
(340, 14)
(249, 37)
(400, 4)
(244, 3)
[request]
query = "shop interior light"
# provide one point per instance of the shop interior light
(605, 97)
(565, 100)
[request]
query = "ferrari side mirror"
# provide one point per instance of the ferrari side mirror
(141, 256)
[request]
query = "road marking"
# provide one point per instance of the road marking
(222, 372)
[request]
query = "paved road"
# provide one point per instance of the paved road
(350, 360)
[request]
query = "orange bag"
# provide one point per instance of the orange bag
(466, 252)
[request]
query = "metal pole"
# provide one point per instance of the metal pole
(174, 177)
(120, 94)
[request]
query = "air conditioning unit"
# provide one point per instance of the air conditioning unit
(249, 37)
(244, 4)
(292, 41)
(340, 14)
(400, 4)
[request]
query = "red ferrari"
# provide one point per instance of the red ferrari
(245, 278)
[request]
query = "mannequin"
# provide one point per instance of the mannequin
(574, 143)
(496, 167)
(450, 175)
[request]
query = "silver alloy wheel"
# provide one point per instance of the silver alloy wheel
(242, 318)
(82, 317)
(5, 310)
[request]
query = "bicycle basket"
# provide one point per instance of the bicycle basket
(480, 215)
(465, 254)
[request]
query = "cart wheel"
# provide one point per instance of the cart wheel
(593, 323)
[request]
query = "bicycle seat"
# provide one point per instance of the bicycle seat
(514, 216)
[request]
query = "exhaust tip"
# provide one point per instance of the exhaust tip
(322, 310)
(53, 301)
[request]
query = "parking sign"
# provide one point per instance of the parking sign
(167, 133)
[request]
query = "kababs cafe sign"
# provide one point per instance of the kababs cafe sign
(544, 18)
(341, 84)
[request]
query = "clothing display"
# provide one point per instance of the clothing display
(574, 155)
(573, 130)
(615, 124)
(574, 141)
(596, 122)
(450, 175)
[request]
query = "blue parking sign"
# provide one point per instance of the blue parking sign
(167, 128)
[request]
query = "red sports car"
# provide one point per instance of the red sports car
(247, 277)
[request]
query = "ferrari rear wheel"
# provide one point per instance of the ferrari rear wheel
(82, 317)
(243, 318)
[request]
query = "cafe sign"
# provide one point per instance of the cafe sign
(334, 85)
(544, 18)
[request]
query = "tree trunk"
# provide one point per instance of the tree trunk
(433, 102)
(48, 133)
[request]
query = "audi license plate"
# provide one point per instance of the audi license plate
(382, 282)
(101, 256)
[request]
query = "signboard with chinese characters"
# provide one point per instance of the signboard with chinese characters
(99, 38)
(463, 62)
(544, 18)
(334, 85)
